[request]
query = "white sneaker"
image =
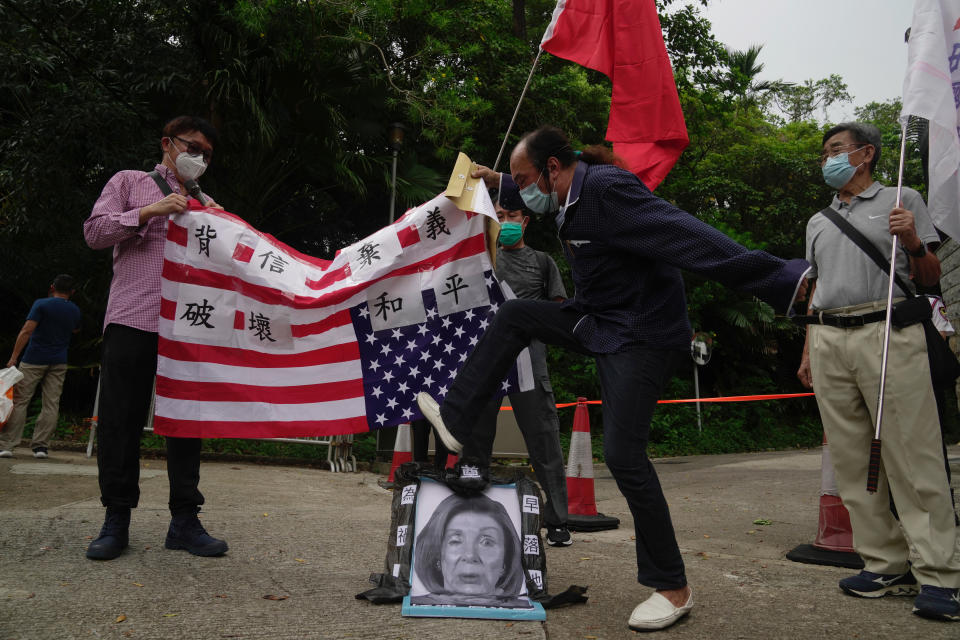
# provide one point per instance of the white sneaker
(431, 411)
(656, 612)
(6, 454)
(40, 452)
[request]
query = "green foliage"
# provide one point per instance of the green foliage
(303, 94)
(885, 116)
(799, 102)
(730, 427)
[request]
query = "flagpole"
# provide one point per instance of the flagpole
(873, 470)
(517, 110)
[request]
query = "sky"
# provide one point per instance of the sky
(860, 40)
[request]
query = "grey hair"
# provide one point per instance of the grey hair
(863, 133)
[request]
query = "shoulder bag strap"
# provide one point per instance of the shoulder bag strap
(865, 245)
(164, 187)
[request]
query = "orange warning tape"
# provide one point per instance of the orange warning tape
(769, 396)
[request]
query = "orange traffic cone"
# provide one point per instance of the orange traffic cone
(833, 545)
(581, 501)
(580, 496)
(402, 449)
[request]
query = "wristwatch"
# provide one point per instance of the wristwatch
(919, 253)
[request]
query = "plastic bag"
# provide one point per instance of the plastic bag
(8, 378)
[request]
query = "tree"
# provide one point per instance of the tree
(303, 94)
(801, 101)
(740, 76)
(885, 116)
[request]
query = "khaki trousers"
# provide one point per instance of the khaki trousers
(845, 364)
(51, 375)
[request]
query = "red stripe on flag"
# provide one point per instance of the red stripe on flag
(233, 392)
(329, 278)
(339, 319)
(242, 253)
(225, 429)
(177, 234)
(168, 309)
(408, 236)
(237, 357)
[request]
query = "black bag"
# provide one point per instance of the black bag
(910, 311)
(944, 366)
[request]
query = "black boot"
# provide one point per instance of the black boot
(114, 535)
(186, 532)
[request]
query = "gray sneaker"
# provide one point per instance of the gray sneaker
(6, 454)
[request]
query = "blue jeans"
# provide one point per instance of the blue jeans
(631, 382)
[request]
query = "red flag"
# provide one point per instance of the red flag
(622, 39)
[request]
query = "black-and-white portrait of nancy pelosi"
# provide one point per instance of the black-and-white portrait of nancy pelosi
(467, 549)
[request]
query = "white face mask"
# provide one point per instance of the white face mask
(190, 167)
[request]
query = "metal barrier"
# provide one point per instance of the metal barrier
(339, 448)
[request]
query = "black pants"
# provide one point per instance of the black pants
(631, 382)
(128, 367)
(421, 444)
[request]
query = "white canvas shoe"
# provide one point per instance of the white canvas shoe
(6, 454)
(656, 612)
(431, 411)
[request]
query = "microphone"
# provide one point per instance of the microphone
(194, 190)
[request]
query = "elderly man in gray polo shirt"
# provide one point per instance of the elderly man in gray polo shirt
(842, 364)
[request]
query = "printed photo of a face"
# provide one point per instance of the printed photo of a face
(467, 549)
(473, 553)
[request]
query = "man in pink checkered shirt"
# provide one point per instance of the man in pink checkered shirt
(130, 217)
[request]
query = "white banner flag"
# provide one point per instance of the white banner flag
(931, 90)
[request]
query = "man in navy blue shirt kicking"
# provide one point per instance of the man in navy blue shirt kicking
(626, 248)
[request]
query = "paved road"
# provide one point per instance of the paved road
(312, 537)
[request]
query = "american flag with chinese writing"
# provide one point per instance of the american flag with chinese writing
(260, 341)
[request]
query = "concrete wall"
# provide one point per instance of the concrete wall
(949, 254)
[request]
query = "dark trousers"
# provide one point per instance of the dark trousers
(421, 444)
(128, 367)
(536, 415)
(631, 382)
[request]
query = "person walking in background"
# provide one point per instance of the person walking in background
(43, 341)
(131, 217)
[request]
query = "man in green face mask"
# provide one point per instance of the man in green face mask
(531, 275)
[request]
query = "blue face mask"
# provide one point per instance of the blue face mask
(510, 233)
(538, 201)
(837, 170)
